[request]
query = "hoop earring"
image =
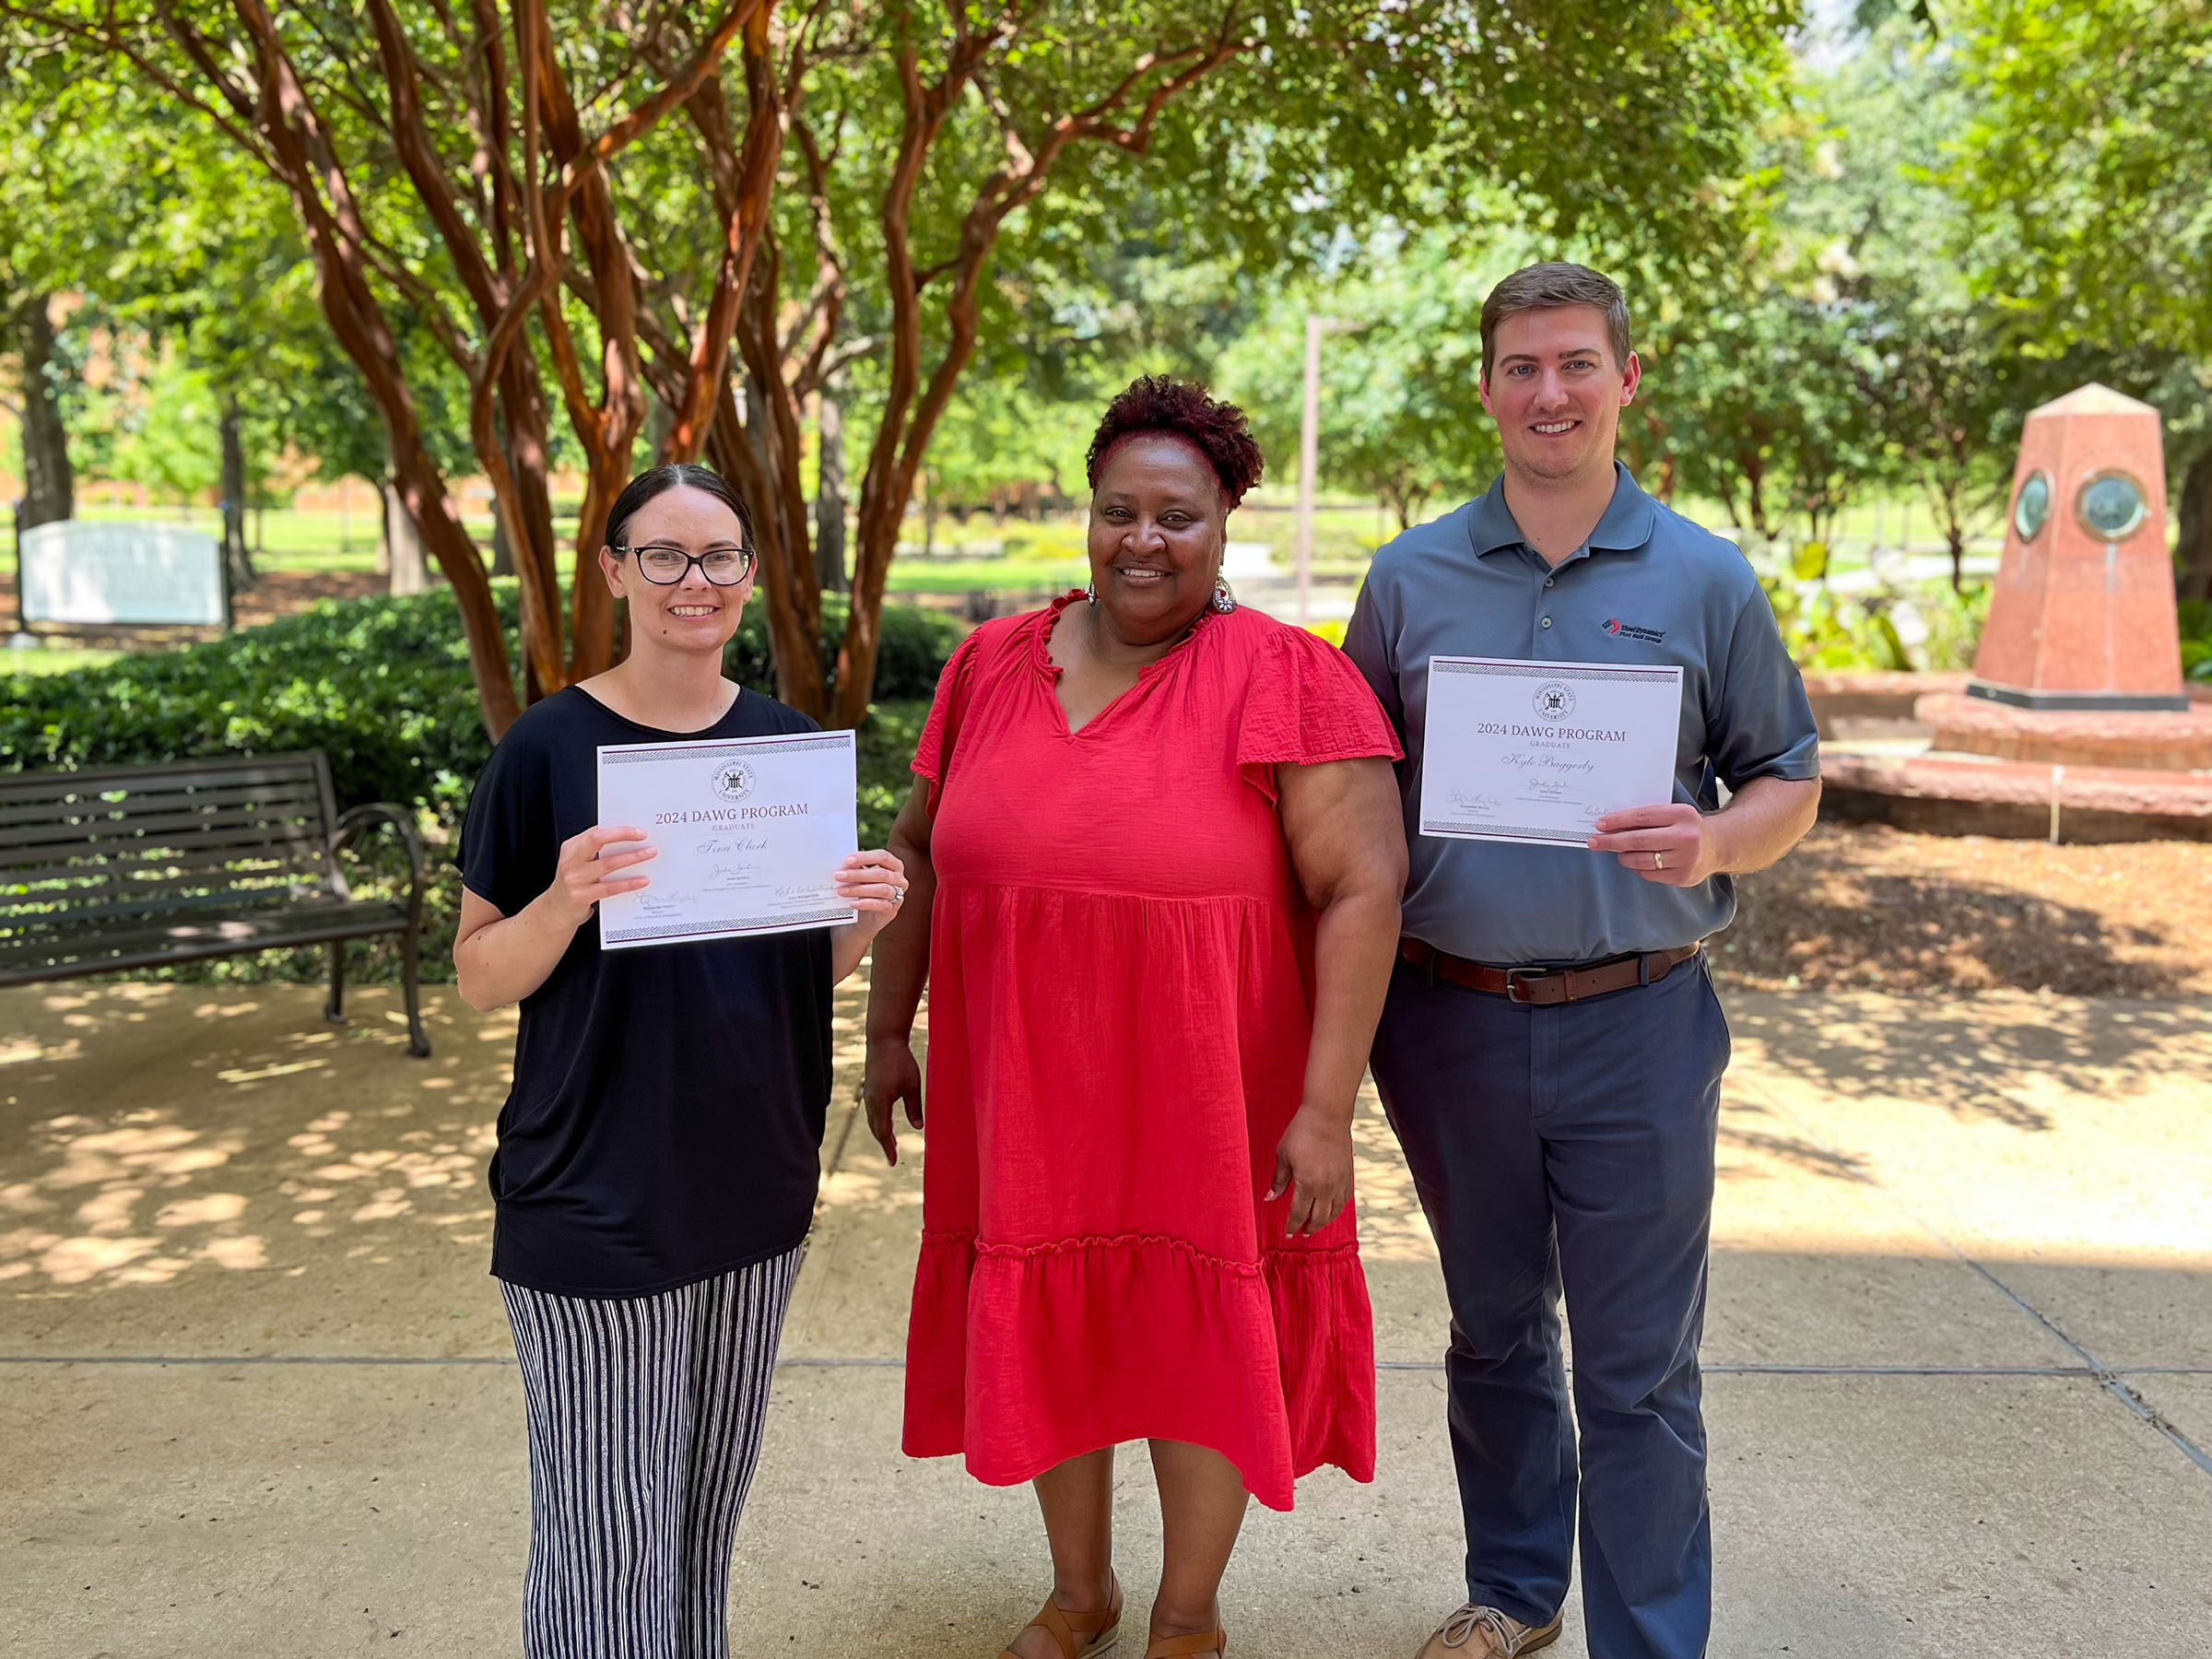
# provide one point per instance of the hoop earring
(1225, 599)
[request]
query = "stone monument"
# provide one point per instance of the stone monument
(2080, 660)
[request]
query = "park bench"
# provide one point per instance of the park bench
(136, 866)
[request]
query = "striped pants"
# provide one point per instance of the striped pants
(645, 1421)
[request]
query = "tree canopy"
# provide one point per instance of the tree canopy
(628, 235)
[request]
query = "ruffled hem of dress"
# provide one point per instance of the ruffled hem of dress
(1021, 1357)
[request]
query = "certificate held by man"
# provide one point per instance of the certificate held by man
(1538, 752)
(748, 833)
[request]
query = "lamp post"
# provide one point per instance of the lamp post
(1309, 463)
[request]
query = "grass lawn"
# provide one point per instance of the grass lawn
(1025, 555)
(53, 659)
(915, 576)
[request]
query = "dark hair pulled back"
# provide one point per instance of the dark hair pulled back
(676, 475)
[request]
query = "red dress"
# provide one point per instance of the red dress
(1120, 1004)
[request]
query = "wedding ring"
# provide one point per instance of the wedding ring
(1658, 861)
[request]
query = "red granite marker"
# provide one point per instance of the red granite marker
(2082, 616)
(2080, 663)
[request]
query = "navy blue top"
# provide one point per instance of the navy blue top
(1648, 587)
(665, 1120)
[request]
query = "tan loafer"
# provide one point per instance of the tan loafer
(1476, 1632)
(1080, 1635)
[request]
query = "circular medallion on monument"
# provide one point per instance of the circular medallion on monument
(734, 779)
(2110, 506)
(1554, 700)
(2032, 506)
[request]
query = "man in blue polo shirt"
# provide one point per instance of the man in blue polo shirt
(1560, 1121)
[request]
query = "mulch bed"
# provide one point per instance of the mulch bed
(1868, 907)
(281, 592)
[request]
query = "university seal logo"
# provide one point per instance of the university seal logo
(1554, 700)
(734, 779)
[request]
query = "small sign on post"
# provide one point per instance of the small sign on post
(151, 575)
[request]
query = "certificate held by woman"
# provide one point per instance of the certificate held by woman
(749, 832)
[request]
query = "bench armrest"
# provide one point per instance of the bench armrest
(355, 819)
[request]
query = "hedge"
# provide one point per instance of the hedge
(382, 686)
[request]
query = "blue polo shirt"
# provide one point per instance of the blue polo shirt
(1648, 587)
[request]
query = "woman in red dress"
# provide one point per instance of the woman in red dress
(1157, 848)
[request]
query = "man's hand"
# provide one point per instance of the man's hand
(892, 1075)
(1673, 845)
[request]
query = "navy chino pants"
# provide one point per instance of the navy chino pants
(1571, 1148)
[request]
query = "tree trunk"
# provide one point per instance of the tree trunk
(409, 573)
(49, 486)
(502, 550)
(2193, 555)
(829, 498)
(784, 581)
(237, 558)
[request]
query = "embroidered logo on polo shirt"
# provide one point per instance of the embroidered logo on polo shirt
(1630, 630)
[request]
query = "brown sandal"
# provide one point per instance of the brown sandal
(1100, 1628)
(1185, 1647)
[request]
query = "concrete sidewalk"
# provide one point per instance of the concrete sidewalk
(259, 1398)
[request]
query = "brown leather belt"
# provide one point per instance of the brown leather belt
(1547, 986)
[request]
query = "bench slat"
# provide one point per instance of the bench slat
(154, 866)
(74, 803)
(215, 772)
(236, 826)
(101, 951)
(58, 913)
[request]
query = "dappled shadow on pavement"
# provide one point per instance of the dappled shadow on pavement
(158, 1138)
(207, 1131)
(1997, 1057)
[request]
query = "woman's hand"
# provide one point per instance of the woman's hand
(873, 883)
(1314, 1164)
(892, 1075)
(586, 872)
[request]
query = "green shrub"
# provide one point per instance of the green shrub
(1830, 632)
(2196, 639)
(908, 657)
(382, 686)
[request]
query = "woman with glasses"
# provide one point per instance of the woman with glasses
(1159, 852)
(659, 1151)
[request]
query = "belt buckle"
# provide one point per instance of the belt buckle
(1513, 977)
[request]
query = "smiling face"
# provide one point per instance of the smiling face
(692, 615)
(1557, 393)
(1157, 527)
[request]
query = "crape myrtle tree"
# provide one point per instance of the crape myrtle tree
(41, 226)
(946, 167)
(669, 228)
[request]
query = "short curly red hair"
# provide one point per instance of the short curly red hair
(1158, 403)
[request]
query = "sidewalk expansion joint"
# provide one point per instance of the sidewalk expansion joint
(861, 1362)
(2111, 1379)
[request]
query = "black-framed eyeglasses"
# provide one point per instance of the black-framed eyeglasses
(665, 566)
